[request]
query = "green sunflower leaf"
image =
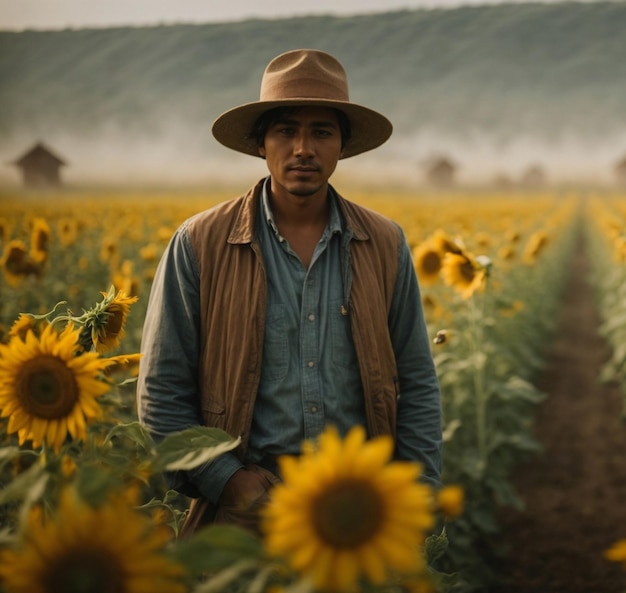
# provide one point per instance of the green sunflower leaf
(192, 447)
(216, 547)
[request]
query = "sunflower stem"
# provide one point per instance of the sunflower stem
(477, 321)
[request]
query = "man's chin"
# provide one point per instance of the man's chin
(304, 191)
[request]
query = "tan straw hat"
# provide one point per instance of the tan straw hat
(303, 77)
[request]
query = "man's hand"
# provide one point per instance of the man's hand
(243, 496)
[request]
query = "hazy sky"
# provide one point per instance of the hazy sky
(55, 14)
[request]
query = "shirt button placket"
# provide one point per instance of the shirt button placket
(309, 335)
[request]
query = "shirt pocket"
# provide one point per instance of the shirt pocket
(275, 346)
(342, 344)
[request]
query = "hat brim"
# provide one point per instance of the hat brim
(369, 128)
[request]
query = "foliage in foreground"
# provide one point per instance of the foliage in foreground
(84, 506)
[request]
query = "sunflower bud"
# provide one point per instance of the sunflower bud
(441, 337)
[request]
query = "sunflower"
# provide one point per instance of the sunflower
(450, 501)
(104, 324)
(109, 250)
(506, 253)
(427, 258)
(22, 324)
(445, 244)
(46, 390)
(67, 231)
(483, 239)
(40, 241)
(107, 549)
(164, 233)
(17, 264)
(149, 252)
(124, 280)
(512, 235)
(536, 244)
(345, 512)
(463, 272)
(432, 307)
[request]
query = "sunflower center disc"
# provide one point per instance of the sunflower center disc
(348, 514)
(431, 262)
(85, 572)
(467, 271)
(114, 322)
(46, 387)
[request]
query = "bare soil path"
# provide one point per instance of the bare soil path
(575, 490)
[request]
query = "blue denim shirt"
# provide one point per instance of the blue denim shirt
(310, 376)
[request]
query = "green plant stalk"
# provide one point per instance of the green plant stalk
(477, 334)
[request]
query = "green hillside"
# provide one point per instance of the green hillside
(543, 69)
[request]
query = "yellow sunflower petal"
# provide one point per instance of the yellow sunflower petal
(77, 532)
(335, 517)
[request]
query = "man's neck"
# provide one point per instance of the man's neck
(300, 211)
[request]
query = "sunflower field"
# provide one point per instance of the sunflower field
(83, 504)
(607, 248)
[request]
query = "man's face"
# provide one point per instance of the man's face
(302, 150)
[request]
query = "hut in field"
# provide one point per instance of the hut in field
(620, 172)
(534, 177)
(40, 167)
(502, 181)
(441, 172)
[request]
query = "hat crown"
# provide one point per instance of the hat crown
(304, 73)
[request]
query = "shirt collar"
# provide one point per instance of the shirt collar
(267, 210)
(334, 224)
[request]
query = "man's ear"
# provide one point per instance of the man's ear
(262, 151)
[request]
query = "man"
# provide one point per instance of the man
(290, 308)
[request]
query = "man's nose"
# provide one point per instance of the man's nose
(303, 144)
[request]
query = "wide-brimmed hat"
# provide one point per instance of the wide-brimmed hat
(303, 77)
